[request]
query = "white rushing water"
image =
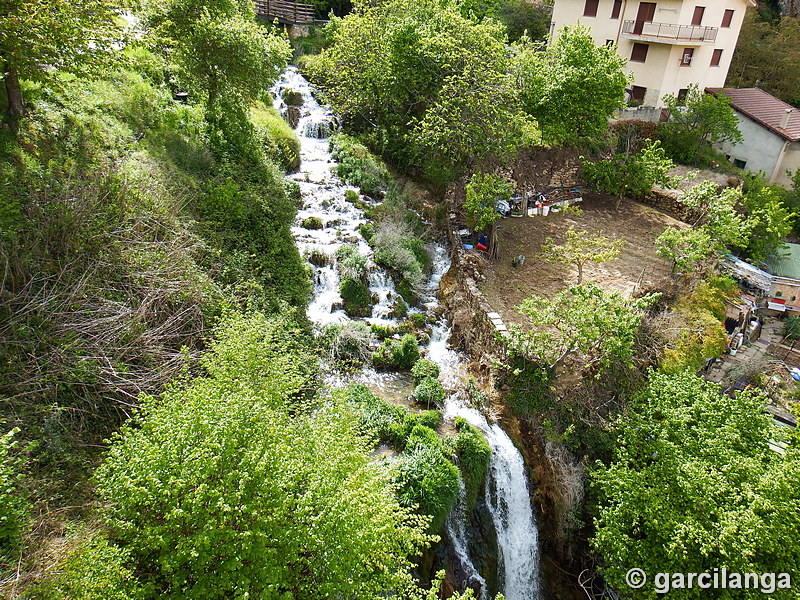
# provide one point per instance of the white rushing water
(323, 193)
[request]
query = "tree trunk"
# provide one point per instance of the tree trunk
(580, 273)
(16, 106)
(493, 250)
(618, 202)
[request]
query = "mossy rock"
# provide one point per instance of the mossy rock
(356, 297)
(312, 223)
(292, 97)
(318, 258)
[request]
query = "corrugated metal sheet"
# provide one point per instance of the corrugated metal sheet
(747, 272)
(765, 109)
(787, 263)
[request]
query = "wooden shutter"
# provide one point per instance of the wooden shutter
(697, 17)
(716, 57)
(590, 8)
(615, 12)
(686, 57)
(727, 17)
(639, 52)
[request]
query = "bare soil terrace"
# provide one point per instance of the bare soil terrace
(637, 268)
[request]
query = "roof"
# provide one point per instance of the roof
(786, 263)
(765, 109)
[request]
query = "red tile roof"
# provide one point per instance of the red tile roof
(764, 109)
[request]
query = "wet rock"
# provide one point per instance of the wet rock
(292, 116)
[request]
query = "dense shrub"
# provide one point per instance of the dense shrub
(378, 417)
(350, 262)
(428, 480)
(347, 343)
(398, 249)
(397, 354)
(279, 139)
(357, 166)
(311, 223)
(94, 569)
(429, 392)
(400, 431)
(356, 297)
(424, 368)
(473, 453)
(218, 491)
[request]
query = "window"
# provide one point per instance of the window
(697, 17)
(615, 12)
(686, 58)
(637, 94)
(727, 18)
(639, 52)
(590, 8)
(609, 43)
(682, 93)
(716, 57)
(739, 163)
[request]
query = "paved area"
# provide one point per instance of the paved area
(730, 368)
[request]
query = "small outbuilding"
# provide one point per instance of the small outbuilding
(771, 131)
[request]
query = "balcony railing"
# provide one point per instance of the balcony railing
(669, 31)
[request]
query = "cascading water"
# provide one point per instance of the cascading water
(323, 195)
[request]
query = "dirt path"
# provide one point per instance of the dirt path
(639, 225)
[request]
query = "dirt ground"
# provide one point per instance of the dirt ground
(638, 265)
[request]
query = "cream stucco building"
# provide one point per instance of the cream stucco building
(669, 44)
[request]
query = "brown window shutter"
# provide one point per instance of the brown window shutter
(590, 8)
(716, 57)
(686, 57)
(615, 12)
(727, 17)
(639, 52)
(697, 17)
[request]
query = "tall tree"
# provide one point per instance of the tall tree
(220, 48)
(430, 87)
(483, 191)
(694, 486)
(697, 120)
(767, 56)
(38, 36)
(572, 86)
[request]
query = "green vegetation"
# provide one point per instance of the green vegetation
(694, 485)
(630, 174)
(279, 140)
(767, 56)
(357, 166)
(397, 354)
(13, 505)
(698, 120)
(461, 104)
(572, 86)
(356, 297)
(218, 471)
(581, 247)
(473, 453)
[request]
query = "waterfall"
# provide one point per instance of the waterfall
(323, 193)
(456, 527)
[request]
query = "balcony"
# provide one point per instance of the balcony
(668, 33)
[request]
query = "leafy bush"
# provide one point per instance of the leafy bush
(383, 331)
(356, 297)
(399, 308)
(357, 166)
(473, 453)
(397, 354)
(429, 391)
(398, 249)
(791, 327)
(522, 17)
(400, 431)
(94, 569)
(351, 262)
(378, 417)
(13, 505)
(424, 368)
(426, 479)
(218, 491)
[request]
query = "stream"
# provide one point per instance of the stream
(507, 496)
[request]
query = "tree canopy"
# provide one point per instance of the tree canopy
(571, 86)
(219, 491)
(429, 87)
(37, 36)
(581, 247)
(694, 486)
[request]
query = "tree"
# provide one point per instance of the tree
(430, 88)
(770, 220)
(232, 486)
(697, 120)
(694, 486)
(583, 321)
(483, 191)
(582, 247)
(572, 86)
(220, 48)
(630, 174)
(40, 37)
(688, 249)
(767, 56)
